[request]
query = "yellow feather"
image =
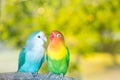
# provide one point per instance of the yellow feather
(58, 53)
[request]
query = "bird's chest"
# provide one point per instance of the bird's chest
(57, 52)
(35, 54)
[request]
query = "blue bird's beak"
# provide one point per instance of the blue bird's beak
(45, 39)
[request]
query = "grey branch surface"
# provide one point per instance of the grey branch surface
(30, 76)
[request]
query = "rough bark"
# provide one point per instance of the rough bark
(30, 76)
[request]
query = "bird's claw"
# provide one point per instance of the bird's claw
(61, 76)
(49, 75)
(34, 74)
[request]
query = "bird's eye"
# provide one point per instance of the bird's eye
(38, 36)
(59, 35)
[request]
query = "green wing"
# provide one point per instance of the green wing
(46, 57)
(68, 56)
(21, 58)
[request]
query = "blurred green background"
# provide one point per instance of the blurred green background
(91, 29)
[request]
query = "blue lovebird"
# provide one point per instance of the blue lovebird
(32, 55)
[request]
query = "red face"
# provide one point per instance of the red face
(56, 35)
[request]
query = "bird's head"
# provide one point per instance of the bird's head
(56, 36)
(36, 38)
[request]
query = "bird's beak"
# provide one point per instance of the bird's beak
(45, 39)
(52, 36)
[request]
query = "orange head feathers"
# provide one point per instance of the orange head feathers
(56, 37)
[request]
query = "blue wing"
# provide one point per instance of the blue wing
(42, 60)
(21, 58)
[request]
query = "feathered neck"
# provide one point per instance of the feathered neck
(56, 44)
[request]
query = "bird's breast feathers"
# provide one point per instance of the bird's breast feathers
(57, 53)
(35, 53)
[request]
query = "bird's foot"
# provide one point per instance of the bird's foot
(49, 75)
(61, 76)
(34, 74)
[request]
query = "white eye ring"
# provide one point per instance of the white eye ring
(59, 35)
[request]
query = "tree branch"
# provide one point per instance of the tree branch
(30, 76)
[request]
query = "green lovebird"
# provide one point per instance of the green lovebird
(57, 55)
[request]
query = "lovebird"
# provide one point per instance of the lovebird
(58, 54)
(32, 54)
